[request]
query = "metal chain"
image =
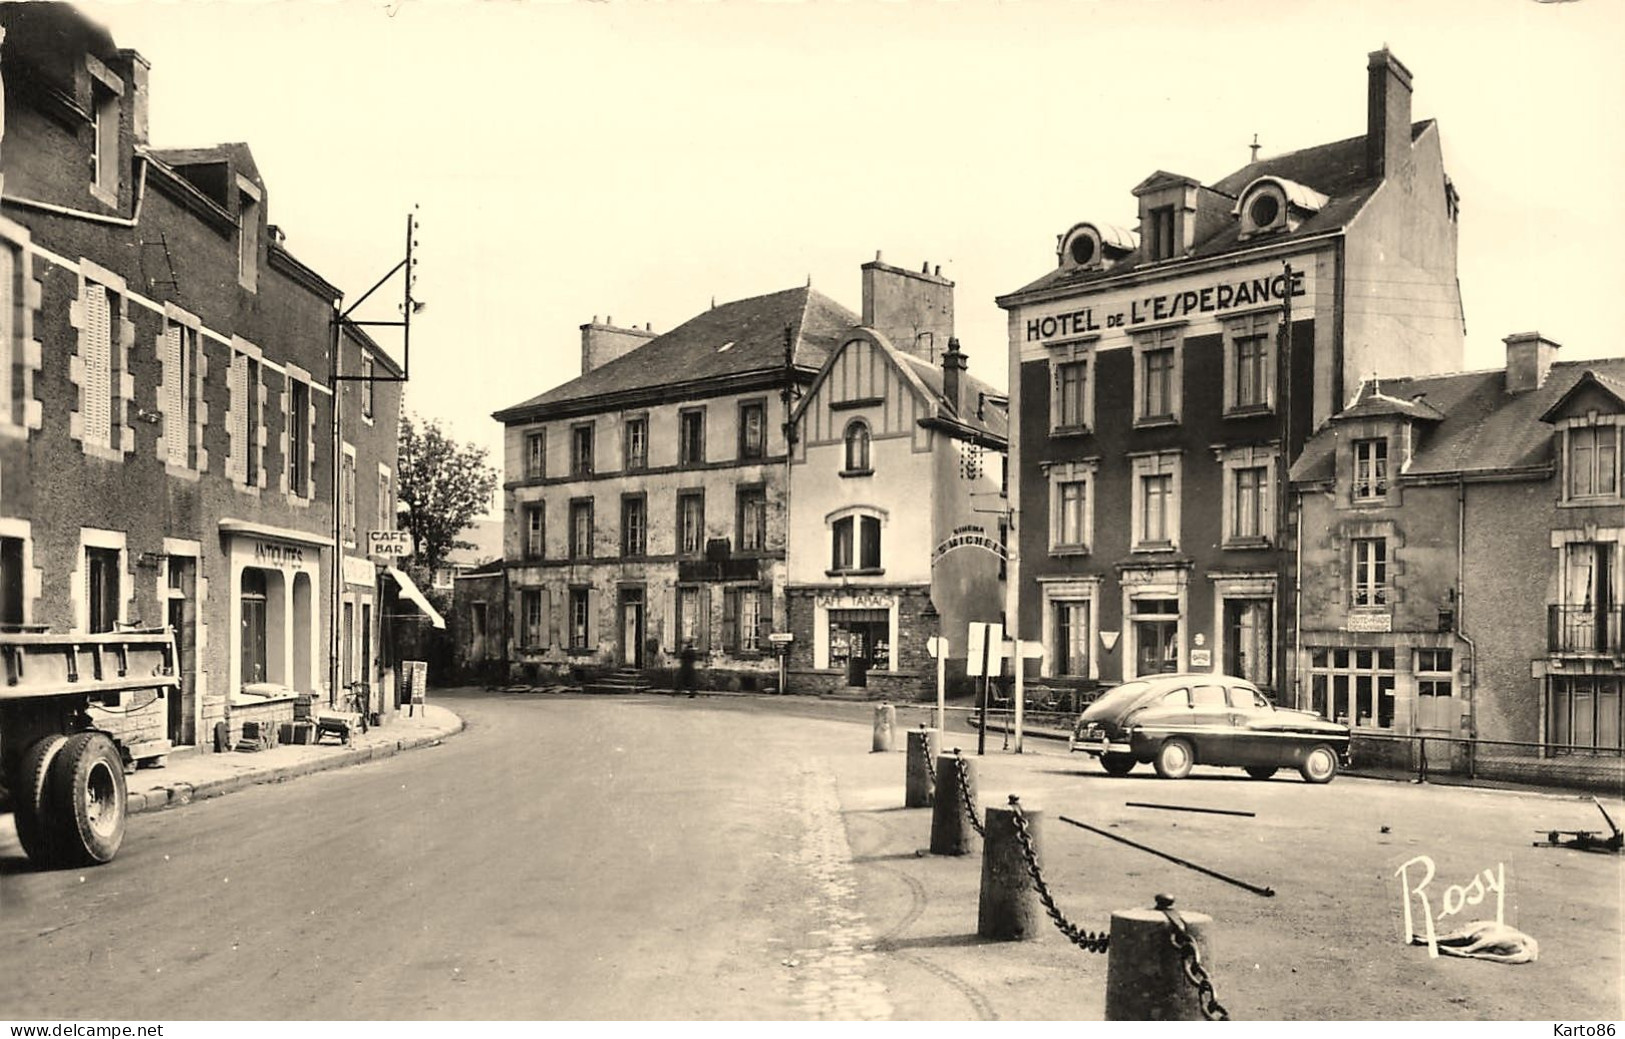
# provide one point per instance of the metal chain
(930, 767)
(1190, 958)
(1084, 940)
(965, 795)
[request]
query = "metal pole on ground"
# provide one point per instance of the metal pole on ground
(1008, 909)
(950, 824)
(919, 781)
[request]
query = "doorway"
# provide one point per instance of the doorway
(181, 616)
(1156, 636)
(859, 642)
(253, 626)
(631, 627)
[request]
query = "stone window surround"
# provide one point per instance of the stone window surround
(238, 463)
(190, 549)
(1141, 583)
(1072, 351)
(1592, 419)
(537, 436)
(1081, 470)
(1248, 456)
(1153, 463)
(108, 80)
(1342, 539)
(93, 537)
(248, 245)
(1167, 335)
(348, 514)
(27, 366)
(1245, 325)
(1070, 589)
(94, 274)
(33, 577)
(199, 418)
(294, 374)
(1591, 533)
(1248, 586)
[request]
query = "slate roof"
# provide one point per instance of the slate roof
(1337, 170)
(1484, 429)
(990, 420)
(730, 339)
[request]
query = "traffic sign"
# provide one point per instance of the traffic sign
(780, 637)
(389, 544)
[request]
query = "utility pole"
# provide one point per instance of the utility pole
(341, 320)
(1283, 512)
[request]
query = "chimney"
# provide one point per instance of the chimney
(139, 68)
(914, 310)
(1529, 361)
(1387, 115)
(953, 387)
(602, 343)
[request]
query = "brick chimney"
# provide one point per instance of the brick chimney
(602, 343)
(139, 69)
(1529, 361)
(914, 311)
(953, 385)
(1387, 115)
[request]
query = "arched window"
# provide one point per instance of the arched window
(857, 446)
(855, 545)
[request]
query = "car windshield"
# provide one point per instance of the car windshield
(1122, 696)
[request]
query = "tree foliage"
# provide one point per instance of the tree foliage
(443, 486)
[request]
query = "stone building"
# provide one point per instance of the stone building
(644, 500)
(896, 480)
(1162, 378)
(167, 453)
(1461, 560)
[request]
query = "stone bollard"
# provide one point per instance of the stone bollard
(922, 750)
(1144, 978)
(950, 827)
(885, 722)
(1008, 909)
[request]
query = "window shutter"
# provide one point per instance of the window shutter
(96, 414)
(8, 330)
(702, 599)
(730, 619)
(237, 386)
(175, 424)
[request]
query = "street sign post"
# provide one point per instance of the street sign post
(937, 646)
(389, 544)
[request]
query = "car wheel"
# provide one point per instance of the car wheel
(1117, 764)
(1319, 765)
(1174, 759)
(1261, 771)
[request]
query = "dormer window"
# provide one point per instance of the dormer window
(1593, 461)
(106, 90)
(1274, 204)
(248, 233)
(1370, 469)
(1160, 234)
(1094, 247)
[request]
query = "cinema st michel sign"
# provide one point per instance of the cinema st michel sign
(1212, 297)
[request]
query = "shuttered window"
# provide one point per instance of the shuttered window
(237, 386)
(177, 421)
(10, 336)
(97, 389)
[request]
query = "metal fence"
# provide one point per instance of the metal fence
(1428, 758)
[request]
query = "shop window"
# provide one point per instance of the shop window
(691, 523)
(857, 449)
(1156, 635)
(1353, 686)
(1584, 715)
(1370, 469)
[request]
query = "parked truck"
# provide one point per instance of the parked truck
(65, 776)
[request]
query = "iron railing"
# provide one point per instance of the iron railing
(1585, 629)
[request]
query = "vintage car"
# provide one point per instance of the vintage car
(1176, 721)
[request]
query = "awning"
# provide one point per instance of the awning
(411, 589)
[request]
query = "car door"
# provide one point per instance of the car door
(1166, 714)
(1210, 726)
(1252, 722)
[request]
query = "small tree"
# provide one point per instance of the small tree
(443, 487)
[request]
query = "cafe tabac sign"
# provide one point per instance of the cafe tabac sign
(1212, 296)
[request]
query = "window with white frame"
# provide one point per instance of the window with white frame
(1354, 686)
(1593, 461)
(637, 443)
(535, 530)
(691, 523)
(856, 440)
(300, 423)
(1071, 489)
(246, 392)
(691, 436)
(742, 620)
(751, 505)
(1157, 375)
(1369, 580)
(581, 529)
(580, 618)
(1155, 508)
(1249, 520)
(532, 623)
(1370, 469)
(101, 400)
(855, 544)
(347, 503)
(106, 92)
(1249, 362)
(581, 449)
(1069, 652)
(1071, 404)
(368, 372)
(1435, 672)
(634, 526)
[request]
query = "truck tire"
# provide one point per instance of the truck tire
(85, 798)
(28, 799)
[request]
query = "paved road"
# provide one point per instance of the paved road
(626, 858)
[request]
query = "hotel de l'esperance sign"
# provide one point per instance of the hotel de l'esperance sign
(1112, 317)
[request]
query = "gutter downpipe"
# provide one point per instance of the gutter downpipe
(1297, 606)
(1471, 673)
(96, 218)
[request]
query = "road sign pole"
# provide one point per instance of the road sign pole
(1017, 662)
(942, 684)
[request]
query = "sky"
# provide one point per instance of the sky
(635, 161)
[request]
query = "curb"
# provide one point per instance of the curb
(156, 798)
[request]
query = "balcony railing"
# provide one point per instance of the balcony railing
(1585, 629)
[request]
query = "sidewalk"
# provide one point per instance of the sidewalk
(197, 776)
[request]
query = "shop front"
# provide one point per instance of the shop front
(855, 634)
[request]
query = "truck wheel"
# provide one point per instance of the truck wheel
(85, 798)
(28, 797)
